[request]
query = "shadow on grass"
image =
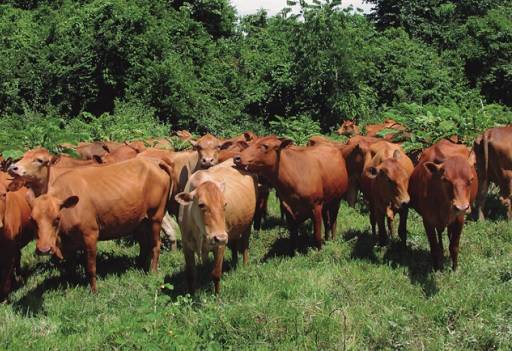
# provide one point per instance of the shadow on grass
(417, 261)
(494, 209)
(72, 273)
(203, 276)
(282, 245)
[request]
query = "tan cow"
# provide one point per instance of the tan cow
(88, 151)
(385, 183)
(90, 204)
(216, 209)
(348, 128)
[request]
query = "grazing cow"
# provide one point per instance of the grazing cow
(373, 129)
(493, 151)
(123, 153)
(88, 151)
(310, 181)
(217, 208)
(442, 187)
(90, 204)
(348, 128)
(385, 182)
(16, 231)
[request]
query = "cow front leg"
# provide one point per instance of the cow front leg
(190, 270)
(90, 250)
(402, 227)
(390, 216)
(218, 254)
(154, 248)
(483, 186)
(244, 246)
(373, 221)
(381, 222)
(333, 213)
(454, 232)
(435, 251)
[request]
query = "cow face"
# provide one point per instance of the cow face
(457, 179)
(262, 155)
(348, 128)
(391, 181)
(208, 148)
(208, 206)
(46, 214)
(32, 166)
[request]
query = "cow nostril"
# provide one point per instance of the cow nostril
(43, 251)
(236, 159)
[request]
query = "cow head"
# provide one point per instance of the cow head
(457, 180)
(262, 155)
(391, 180)
(33, 166)
(348, 128)
(208, 211)
(208, 148)
(46, 214)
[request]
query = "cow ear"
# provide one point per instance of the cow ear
(249, 136)
(105, 147)
(193, 142)
(285, 142)
(16, 184)
(472, 158)
(226, 145)
(397, 154)
(53, 160)
(372, 172)
(97, 158)
(434, 168)
(222, 186)
(184, 198)
(70, 202)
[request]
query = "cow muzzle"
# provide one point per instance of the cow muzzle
(207, 162)
(43, 251)
(219, 239)
(461, 208)
(15, 170)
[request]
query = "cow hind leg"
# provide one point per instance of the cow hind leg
(440, 239)
(234, 245)
(317, 225)
(154, 247)
(244, 246)
(327, 221)
(390, 216)
(483, 186)
(333, 214)
(143, 240)
(218, 254)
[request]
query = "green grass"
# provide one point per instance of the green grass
(350, 295)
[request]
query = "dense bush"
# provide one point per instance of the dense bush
(192, 65)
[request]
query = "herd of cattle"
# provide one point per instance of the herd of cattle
(218, 191)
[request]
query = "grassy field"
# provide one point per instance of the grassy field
(351, 295)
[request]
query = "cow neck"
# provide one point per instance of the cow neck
(277, 176)
(41, 188)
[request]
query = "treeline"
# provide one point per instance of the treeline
(442, 67)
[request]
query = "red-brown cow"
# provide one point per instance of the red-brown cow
(493, 151)
(442, 187)
(123, 153)
(373, 129)
(90, 204)
(309, 181)
(385, 182)
(16, 231)
(348, 128)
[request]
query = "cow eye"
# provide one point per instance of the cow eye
(264, 147)
(201, 205)
(56, 221)
(39, 160)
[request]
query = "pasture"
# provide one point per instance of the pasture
(351, 295)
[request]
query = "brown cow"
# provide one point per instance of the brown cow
(33, 168)
(385, 182)
(442, 187)
(123, 153)
(217, 208)
(309, 181)
(372, 130)
(493, 151)
(88, 151)
(16, 231)
(90, 204)
(348, 128)
(208, 148)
